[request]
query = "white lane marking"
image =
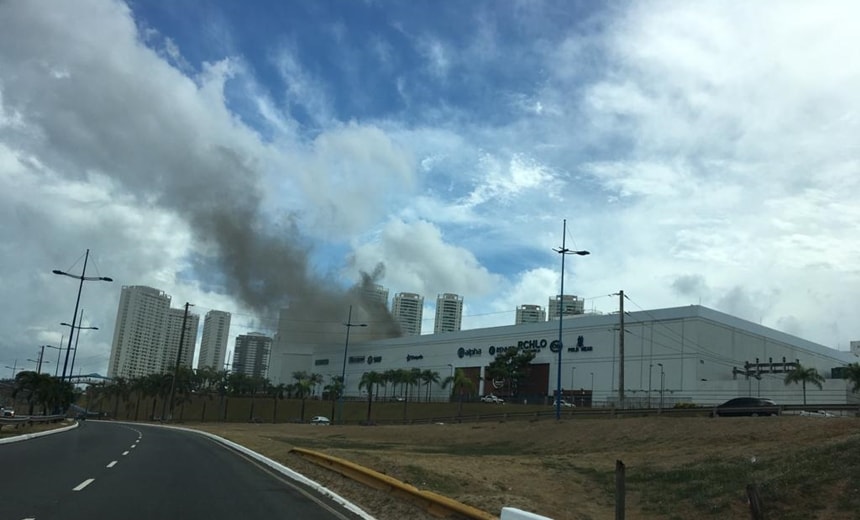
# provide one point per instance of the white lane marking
(133, 446)
(125, 453)
(83, 484)
(112, 464)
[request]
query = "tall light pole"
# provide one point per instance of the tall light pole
(83, 277)
(349, 324)
(563, 251)
(78, 337)
(178, 359)
(650, 370)
(592, 385)
(662, 384)
(59, 353)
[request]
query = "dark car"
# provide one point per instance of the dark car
(749, 406)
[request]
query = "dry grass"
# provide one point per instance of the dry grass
(676, 467)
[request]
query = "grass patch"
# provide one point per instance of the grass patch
(791, 483)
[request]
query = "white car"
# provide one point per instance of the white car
(7, 412)
(490, 398)
(819, 413)
(566, 404)
(320, 420)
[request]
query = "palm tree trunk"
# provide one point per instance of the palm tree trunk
(804, 393)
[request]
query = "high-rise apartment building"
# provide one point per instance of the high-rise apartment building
(251, 354)
(408, 311)
(530, 314)
(570, 305)
(375, 294)
(174, 326)
(139, 333)
(213, 345)
(449, 313)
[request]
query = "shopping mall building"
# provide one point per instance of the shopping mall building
(684, 354)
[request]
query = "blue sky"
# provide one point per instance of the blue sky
(236, 155)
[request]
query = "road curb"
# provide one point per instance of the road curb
(28, 436)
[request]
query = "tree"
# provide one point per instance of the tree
(511, 366)
(852, 374)
(368, 381)
(428, 377)
(334, 391)
(461, 385)
(804, 375)
(304, 386)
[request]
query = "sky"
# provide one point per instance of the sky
(249, 156)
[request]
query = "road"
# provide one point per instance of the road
(114, 470)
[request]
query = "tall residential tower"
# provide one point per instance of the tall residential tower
(449, 313)
(408, 311)
(213, 346)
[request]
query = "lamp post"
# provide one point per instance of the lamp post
(592, 384)
(83, 277)
(563, 251)
(662, 384)
(77, 337)
(178, 359)
(650, 370)
(349, 324)
(59, 353)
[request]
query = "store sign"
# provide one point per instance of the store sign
(373, 359)
(410, 357)
(580, 346)
(319, 362)
(356, 359)
(468, 352)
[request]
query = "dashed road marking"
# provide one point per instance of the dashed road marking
(112, 464)
(83, 484)
(125, 453)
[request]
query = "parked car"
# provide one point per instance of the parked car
(749, 406)
(565, 404)
(320, 420)
(7, 412)
(818, 413)
(490, 398)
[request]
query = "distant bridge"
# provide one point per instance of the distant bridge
(88, 379)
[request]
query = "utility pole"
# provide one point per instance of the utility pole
(178, 359)
(621, 349)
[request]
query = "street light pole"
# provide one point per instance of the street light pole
(77, 338)
(83, 277)
(662, 384)
(349, 324)
(562, 251)
(650, 370)
(178, 359)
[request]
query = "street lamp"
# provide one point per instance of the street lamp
(83, 277)
(650, 370)
(349, 324)
(78, 337)
(59, 353)
(662, 384)
(563, 251)
(592, 385)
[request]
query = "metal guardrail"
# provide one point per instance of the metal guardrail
(29, 419)
(436, 505)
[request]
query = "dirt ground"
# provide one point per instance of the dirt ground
(562, 470)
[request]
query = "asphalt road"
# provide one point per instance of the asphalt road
(130, 472)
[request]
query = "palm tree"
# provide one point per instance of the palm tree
(303, 386)
(334, 390)
(852, 374)
(409, 378)
(804, 375)
(429, 377)
(368, 380)
(461, 385)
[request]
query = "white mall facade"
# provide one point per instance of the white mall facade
(685, 354)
